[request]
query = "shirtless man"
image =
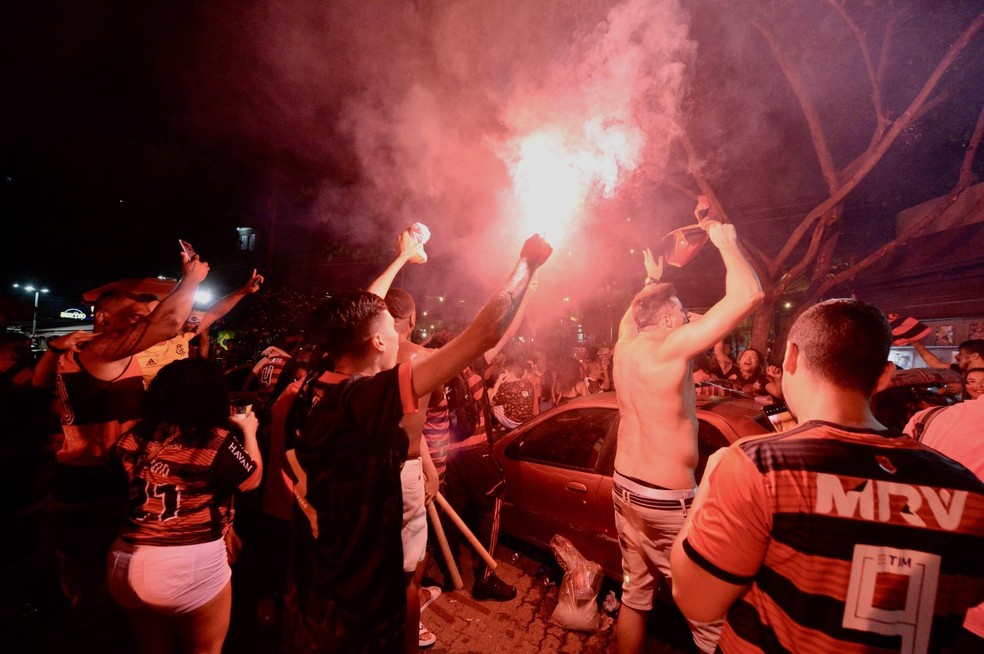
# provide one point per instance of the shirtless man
(419, 479)
(657, 434)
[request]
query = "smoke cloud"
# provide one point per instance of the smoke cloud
(416, 110)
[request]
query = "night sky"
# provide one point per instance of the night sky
(329, 126)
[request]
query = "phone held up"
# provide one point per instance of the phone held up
(780, 417)
(186, 247)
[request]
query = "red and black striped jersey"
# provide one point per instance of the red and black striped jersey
(183, 496)
(850, 541)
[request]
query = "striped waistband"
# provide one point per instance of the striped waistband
(652, 498)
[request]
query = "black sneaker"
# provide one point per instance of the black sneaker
(493, 588)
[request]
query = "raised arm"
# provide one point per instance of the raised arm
(248, 425)
(723, 360)
(515, 323)
(162, 323)
(407, 247)
(45, 371)
(488, 326)
(224, 304)
(742, 294)
(932, 361)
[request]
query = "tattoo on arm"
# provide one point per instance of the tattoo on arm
(117, 347)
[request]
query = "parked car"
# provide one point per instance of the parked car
(559, 466)
(914, 389)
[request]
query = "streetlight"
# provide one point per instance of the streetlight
(37, 293)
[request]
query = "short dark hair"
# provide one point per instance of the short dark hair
(440, 337)
(973, 346)
(515, 366)
(343, 323)
(400, 303)
(844, 341)
(648, 304)
(110, 301)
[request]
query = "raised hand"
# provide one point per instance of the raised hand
(193, 269)
(253, 285)
(71, 341)
(536, 251)
(722, 235)
(654, 267)
(409, 247)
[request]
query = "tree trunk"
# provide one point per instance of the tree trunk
(762, 324)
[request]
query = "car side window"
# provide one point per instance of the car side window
(572, 439)
(709, 440)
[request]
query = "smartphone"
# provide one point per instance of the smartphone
(779, 415)
(186, 246)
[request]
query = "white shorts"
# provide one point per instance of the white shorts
(175, 579)
(414, 514)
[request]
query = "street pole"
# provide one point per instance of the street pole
(34, 321)
(37, 296)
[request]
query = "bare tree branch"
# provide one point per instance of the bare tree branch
(874, 155)
(933, 102)
(876, 98)
(964, 181)
(886, 45)
(816, 240)
(693, 162)
(827, 166)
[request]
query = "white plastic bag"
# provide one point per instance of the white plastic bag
(577, 607)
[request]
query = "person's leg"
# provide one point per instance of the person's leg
(414, 534)
(488, 483)
(204, 629)
(638, 585)
(411, 634)
(646, 536)
(456, 493)
(630, 630)
(155, 633)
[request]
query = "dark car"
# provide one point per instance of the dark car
(559, 467)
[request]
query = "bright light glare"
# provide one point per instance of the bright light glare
(554, 173)
(203, 297)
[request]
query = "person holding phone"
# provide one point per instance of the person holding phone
(185, 460)
(100, 385)
(197, 324)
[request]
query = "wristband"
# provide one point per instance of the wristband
(651, 280)
(57, 350)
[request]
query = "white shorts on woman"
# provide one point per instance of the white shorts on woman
(176, 579)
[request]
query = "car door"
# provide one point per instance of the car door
(554, 484)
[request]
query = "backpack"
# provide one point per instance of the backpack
(463, 409)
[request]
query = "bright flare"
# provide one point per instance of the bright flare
(555, 173)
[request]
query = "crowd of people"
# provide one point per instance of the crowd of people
(837, 533)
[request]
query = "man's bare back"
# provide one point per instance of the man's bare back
(410, 351)
(657, 432)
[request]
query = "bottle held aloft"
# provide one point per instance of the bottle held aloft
(421, 234)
